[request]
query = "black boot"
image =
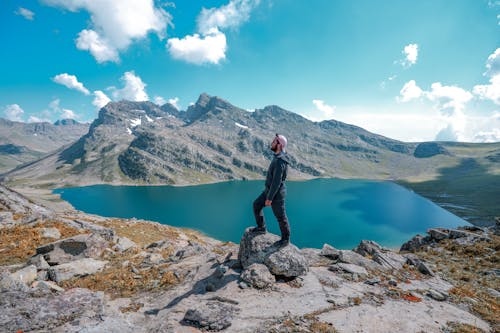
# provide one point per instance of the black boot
(285, 232)
(261, 226)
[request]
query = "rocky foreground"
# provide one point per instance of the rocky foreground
(74, 272)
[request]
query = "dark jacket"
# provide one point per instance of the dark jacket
(276, 175)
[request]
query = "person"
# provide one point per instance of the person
(275, 191)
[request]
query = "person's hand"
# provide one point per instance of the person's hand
(268, 202)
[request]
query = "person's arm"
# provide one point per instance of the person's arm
(276, 182)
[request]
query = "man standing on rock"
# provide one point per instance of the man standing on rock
(275, 191)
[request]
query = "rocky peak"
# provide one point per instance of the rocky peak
(66, 122)
(206, 104)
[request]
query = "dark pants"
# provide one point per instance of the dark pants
(278, 206)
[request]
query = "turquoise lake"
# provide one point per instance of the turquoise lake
(334, 211)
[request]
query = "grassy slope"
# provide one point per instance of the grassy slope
(470, 188)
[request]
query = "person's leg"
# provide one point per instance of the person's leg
(279, 211)
(258, 205)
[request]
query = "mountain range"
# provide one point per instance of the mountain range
(25, 142)
(213, 140)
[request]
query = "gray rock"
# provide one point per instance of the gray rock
(123, 244)
(261, 248)
(438, 234)
(374, 281)
(106, 233)
(80, 267)
(329, 251)
(415, 243)
(315, 258)
(39, 262)
(287, 261)
(42, 275)
(382, 256)
(220, 271)
(437, 295)
(351, 257)
(243, 285)
(20, 312)
(493, 292)
(76, 247)
(350, 268)
(26, 275)
(47, 285)
(258, 276)
(50, 233)
(413, 260)
(368, 248)
(8, 283)
(213, 316)
(392, 283)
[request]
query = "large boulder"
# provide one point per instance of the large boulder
(20, 312)
(80, 267)
(415, 244)
(212, 316)
(262, 249)
(384, 257)
(258, 276)
(73, 248)
(351, 257)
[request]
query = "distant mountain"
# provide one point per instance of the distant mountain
(213, 140)
(25, 142)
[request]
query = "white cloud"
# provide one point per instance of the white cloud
(114, 25)
(326, 110)
(133, 90)
(26, 13)
(35, 119)
(158, 100)
(448, 98)
(209, 45)
(56, 111)
(231, 15)
(489, 91)
(102, 50)
(409, 91)
(195, 49)
(14, 112)
(71, 82)
(411, 54)
(493, 64)
(68, 114)
(175, 102)
(100, 99)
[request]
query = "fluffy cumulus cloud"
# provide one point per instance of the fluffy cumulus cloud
(491, 91)
(409, 91)
(196, 49)
(209, 45)
(175, 102)
(326, 110)
(26, 13)
(71, 82)
(114, 25)
(449, 101)
(410, 53)
(100, 99)
(14, 112)
(134, 88)
(55, 110)
(158, 100)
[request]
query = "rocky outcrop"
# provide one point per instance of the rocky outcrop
(263, 249)
(73, 248)
(429, 149)
(22, 312)
(77, 268)
(258, 276)
(212, 316)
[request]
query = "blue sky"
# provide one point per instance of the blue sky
(409, 70)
